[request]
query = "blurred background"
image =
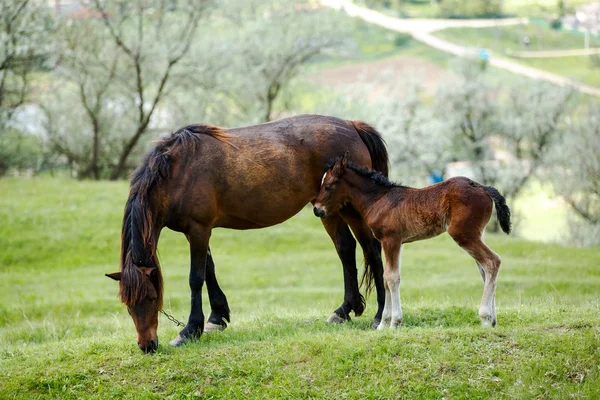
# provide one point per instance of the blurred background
(503, 91)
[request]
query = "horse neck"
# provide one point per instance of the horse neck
(363, 192)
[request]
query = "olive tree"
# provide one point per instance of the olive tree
(577, 177)
(268, 44)
(24, 46)
(117, 69)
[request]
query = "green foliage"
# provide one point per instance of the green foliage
(470, 8)
(578, 176)
(18, 150)
(505, 38)
(63, 332)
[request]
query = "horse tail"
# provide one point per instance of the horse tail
(376, 146)
(502, 210)
(380, 162)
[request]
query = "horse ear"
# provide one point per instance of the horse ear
(147, 271)
(115, 275)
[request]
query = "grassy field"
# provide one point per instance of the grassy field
(503, 39)
(525, 8)
(64, 334)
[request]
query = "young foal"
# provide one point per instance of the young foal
(399, 214)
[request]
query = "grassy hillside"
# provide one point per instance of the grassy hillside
(502, 40)
(64, 334)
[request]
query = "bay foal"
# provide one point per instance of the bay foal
(398, 214)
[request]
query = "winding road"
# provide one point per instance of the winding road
(421, 29)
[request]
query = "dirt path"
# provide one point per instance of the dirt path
(421, 29)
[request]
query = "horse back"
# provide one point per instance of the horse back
(262, 174)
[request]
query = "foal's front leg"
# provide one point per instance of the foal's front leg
(392, 247)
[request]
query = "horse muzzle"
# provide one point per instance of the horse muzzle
(319, 211)
(149, 347)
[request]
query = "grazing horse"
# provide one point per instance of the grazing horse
(398, 214)
(203, 177)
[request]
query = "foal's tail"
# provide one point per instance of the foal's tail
(502, 210)
(380, 162)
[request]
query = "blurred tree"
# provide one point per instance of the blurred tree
(469, 108)
(24, 45)
(271, 42)
(532, 123)
(577, 177)
(117, 67)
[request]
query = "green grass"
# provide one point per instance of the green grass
(502, 38)
(577, 68)
(64, 334)
(524, 8)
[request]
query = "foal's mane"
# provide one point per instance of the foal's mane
(376, 176)
(138, 236)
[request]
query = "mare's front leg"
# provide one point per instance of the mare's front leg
(198, 239)
(219, 309)
(392, 247)
(346, 248)
(372, 251)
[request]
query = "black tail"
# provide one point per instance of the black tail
(380, 162)
(376, 145)
(502, 210)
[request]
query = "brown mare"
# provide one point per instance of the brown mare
(399, 214)
(203, 177)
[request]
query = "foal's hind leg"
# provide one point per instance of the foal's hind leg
(346, 248)
(488, 263)
(392, 247)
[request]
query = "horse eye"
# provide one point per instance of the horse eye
(328, 187)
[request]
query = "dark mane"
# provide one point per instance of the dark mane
(138, 244)
(376, 176)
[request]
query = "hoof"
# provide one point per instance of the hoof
(376, 323)
(210, 327)
(178, 341)
(336, 319)
(488, 321)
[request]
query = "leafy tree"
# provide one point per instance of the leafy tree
(469, 108)
(578, 177)
(117, 71)
(24, 45)
(532, 123)
(272, 41)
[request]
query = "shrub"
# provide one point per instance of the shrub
(470, 8)
(19, 150)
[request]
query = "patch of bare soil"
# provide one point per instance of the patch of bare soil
(382, 75)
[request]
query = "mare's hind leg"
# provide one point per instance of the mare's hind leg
(219, 315)
(372, 252)
(346, 248)
(488, 263)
